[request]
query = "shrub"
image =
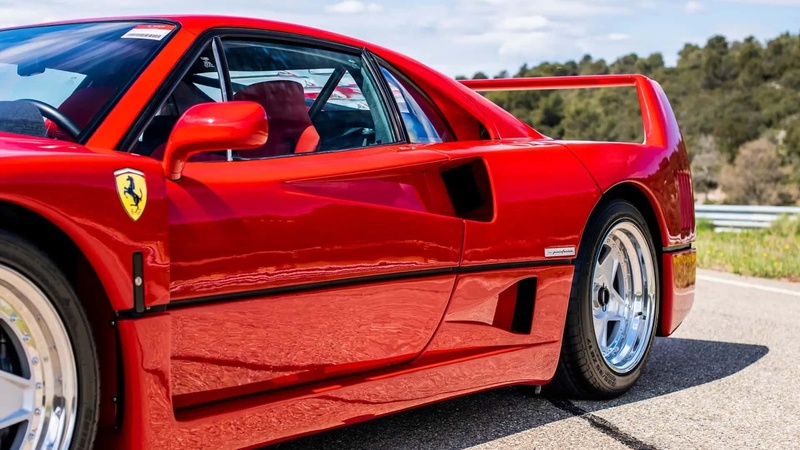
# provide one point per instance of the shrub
(758, 177)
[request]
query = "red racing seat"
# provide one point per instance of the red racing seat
(290, 128)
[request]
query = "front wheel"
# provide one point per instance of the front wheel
(613, 306)
(48, 364)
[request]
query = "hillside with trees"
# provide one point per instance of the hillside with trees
(738, 104)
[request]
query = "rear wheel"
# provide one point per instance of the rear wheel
(48, 367)
(613, 307)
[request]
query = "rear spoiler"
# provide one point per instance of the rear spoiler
(660, 126)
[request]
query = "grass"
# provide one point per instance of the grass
(767, 253)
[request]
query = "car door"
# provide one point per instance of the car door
(326, 252)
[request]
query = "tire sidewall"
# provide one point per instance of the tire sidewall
(614, 213)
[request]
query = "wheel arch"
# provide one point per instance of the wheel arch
(59, 246)
(74, 264)
(645, 203)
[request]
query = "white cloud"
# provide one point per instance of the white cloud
(692, 7)
(353, 7)
(618, 37)
(527, 43)
(524, 23)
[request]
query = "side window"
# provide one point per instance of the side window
(422, 119)
(316, 100)
(201, 84)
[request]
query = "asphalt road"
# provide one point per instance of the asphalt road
(728, 379)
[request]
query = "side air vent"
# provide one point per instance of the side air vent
(515, 306)
(470, 190)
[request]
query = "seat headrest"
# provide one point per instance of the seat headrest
(281, 99)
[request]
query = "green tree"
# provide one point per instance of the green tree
(718, 65)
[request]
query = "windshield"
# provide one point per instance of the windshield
(64, 76)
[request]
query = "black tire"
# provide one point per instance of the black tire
(23, 257)
(582, 371)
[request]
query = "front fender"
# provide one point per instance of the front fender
(77, 192)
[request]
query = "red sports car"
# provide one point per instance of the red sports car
(195, 255)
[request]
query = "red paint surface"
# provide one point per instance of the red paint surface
(542, 198)
(230, 349)
(255, 370)
(678, 287)
(150, 421)
(280, 222)
(469, 322)
(74, 188)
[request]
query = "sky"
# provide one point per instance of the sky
(460, 37)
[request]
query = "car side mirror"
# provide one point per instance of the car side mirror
(210, 127)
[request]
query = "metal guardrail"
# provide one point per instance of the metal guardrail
(733, 217)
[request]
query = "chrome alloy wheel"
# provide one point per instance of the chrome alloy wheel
(38, 377)
(624, 296)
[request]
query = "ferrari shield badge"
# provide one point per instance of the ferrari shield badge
(132, 191)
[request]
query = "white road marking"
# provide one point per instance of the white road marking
(749, 285)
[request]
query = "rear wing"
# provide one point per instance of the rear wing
(660, 127)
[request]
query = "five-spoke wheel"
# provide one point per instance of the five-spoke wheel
(623, 296)
(614, 304)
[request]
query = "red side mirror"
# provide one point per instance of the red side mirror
(210, 127)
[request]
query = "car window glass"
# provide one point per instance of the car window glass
(316, 100)
(78, 69)
(201, 84)
(422, 120)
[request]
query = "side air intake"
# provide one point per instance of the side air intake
(470, 190)
(515, 307)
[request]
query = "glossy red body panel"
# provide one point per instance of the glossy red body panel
(232, 349)
(280, 222)
(151, 421)
(57, 180)
(469, 323)
(679, 272)
(293, 295)
(542, 198)
(575, 82)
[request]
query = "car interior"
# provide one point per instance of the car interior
(298, 123)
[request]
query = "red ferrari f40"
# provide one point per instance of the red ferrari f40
(224, 233)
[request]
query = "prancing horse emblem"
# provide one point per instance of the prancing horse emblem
(132, 191)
